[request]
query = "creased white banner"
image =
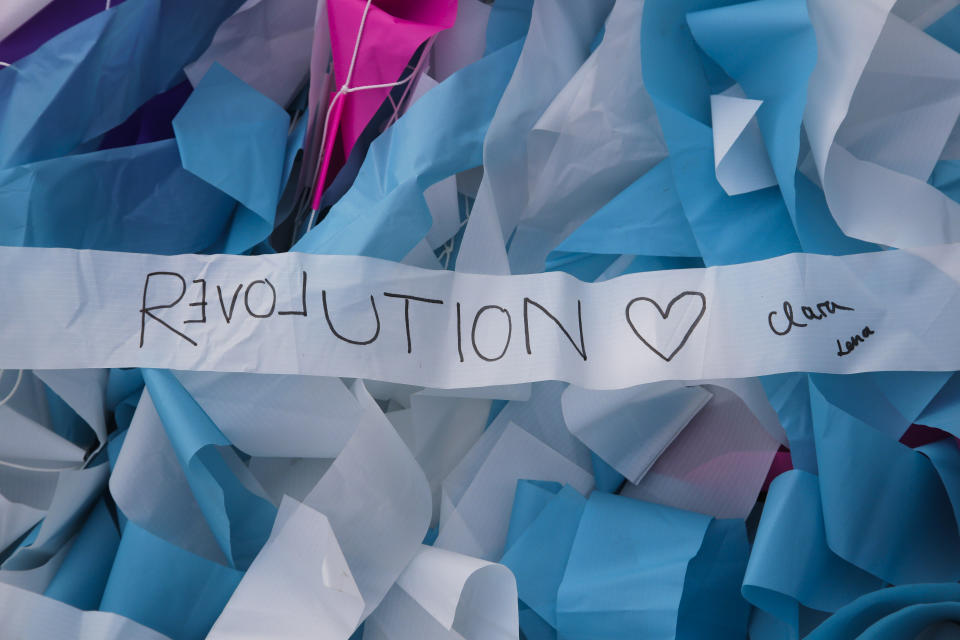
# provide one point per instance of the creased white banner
(367, 318)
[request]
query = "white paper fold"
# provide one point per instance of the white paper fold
(476, 521)
(266, 43)
(883, 99)
(377, 501)
(740, 156)
(716, 465)
(442, 594)
(299, 585)
(630, 428)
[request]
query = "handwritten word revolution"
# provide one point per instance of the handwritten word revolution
(662, 330)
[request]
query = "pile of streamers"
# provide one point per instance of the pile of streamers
(594, 137)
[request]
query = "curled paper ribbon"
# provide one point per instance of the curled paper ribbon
(367, 318)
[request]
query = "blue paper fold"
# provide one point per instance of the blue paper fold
(240, 520)
(82, 577)
(728, 229)
(165, 587)
(136, 199)
(90, 78)
(234, 137)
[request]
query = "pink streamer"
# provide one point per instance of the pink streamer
(372, 60)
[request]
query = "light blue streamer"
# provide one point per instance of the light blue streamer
(711, 605)
(538, 556)
(769, 48)
(646, 218)
(509, 21)
(529, 500)
(888, 401)
(791, 564)
(905, 532)
(136, 199)
(728, 229)
(625, 575)
(165, 587)
(947, 29)
(124, 387)
(82, 577)
(945, 457)
(234, 137)
(240, 520)
(533, 626)
(943, 411)
(93, 76)
(816, 227)
(789, 395)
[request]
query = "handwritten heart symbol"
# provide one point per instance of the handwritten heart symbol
(663, 316)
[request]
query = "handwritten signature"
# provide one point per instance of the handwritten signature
(823, 310)
(854, 340)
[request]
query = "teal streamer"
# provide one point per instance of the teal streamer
(240, 520)
(136, 199)
(165, 587)
(93, 76)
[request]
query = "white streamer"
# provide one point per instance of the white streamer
(16, 385)
(352, 316)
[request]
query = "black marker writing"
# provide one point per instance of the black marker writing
(147, 311)
(406, 311)
(473, 333)
(303, 300)
(273, 302)
(233, 302)
(824, 309)
(459, 335)
(582, 349)
(665, 313)
(202, 303)
(854, 340)
(326, 314)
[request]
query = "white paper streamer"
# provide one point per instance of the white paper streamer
(377, 501)
(885, 311)
(463, 43)
(439, 431)
(299, 585)
(883, 99)
(151, 489)
(739, 154)
(477, 523)
(716, 465)
(266, 43)
(76, 491)
(30, 616)
(540, 74)
(630, 428)
(449, 596)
